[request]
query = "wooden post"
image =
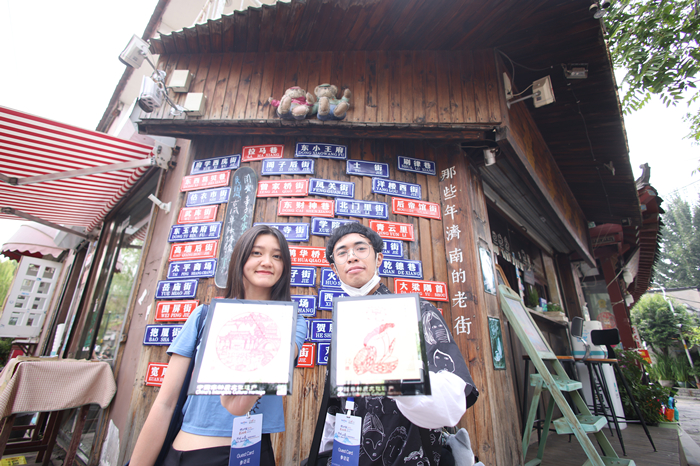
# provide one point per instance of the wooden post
(618, 303)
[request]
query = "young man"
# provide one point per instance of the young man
(402, 430)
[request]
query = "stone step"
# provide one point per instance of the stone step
(689, 392)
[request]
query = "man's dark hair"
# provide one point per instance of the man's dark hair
(349, 228)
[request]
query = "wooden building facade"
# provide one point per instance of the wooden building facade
(428, 82)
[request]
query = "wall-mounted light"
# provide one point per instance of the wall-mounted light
(576, 70)
(490, 156)
(542, 93)
(597, 9)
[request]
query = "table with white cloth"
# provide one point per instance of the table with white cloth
(51, 388)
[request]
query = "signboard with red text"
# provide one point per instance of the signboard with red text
(155, 373)
(393, 230)
(276, 188)
(205, 180)
(269, 151)
(307, 255)
(175, 311)
(432, 291)
(415, 208)
(305, 207)
(197, 214)
(193, 250)
(307, 355)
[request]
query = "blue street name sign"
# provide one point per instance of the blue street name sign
(161, 335)
(407, 164)
(321, 329)
(205, 268)
(208, 197)
(364, 209)
(306, 304)
(331, 188)
(325, 226)
(293, 232)
(325, 298)
(228, 162)
(321, 150)
(287, 167)
(364, 168)
(303, 276)
(171, 289)
(194, 232)
(322, 354)
(397, 188)
(401, 268)
(329, 279)
(392, 249)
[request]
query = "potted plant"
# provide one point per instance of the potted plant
(681, 371)
(533, 298)
(662, 370)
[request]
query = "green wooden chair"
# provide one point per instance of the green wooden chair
(580, 425)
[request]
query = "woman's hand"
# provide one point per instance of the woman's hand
(238, 405)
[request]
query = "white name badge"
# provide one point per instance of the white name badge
(246, 439)
(346, 441)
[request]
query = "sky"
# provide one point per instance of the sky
(60, 61)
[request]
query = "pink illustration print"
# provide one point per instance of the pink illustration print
(375, 356)
(248, 342)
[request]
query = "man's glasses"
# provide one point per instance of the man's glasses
(361, 251)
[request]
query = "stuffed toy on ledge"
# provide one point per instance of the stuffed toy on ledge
(295, 104)
(329, 107)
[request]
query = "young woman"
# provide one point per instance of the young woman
(260, 270)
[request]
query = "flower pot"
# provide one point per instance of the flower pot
(666, 383)
(681, 384)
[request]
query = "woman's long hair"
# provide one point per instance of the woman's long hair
(241, 252)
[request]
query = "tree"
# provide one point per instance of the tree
(658, 325)
(657, 43)
(7, 274)
(679, 264)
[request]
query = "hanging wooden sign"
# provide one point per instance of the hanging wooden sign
(287, 167)
(194, 250)
(307, 355)
(294, 232)
(364, 168)
(155, 372)
(306, 304)
(267, 151)
(308, 255)
(175, 311)
(276, 188)
(161, 335)
(408, 164)
(397, 188)
(176, 289)
(401, 268)
(423, 209)
(324, 226)
(203, 231)
(205, 180)
(205, 268)
(321, 150)
(331, 188)
(227, 162)
(364, 209)
(238, 218)
(393, 249)
(305, 207)
(393, 230)
(208, 197)
(433, 291)
(303, 276)
(197, 214)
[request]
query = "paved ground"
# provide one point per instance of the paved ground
(689, 413)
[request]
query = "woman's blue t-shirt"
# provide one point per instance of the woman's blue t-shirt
(204, 415)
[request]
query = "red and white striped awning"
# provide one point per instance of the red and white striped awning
(33, 149)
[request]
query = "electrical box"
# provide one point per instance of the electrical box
(135, 52)
(195, 103)
(543, 92)
(150, 97)
(180, 80)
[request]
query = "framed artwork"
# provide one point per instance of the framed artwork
(526, 329)
(487, 272)
(378, 347)
(499, 357)
(247, 349)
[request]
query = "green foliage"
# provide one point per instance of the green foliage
(680, 245)
(649, 397)
(656, 42)
(5, 348)
(533, 297)
(7, 274)
(662, 369)
(681, 369)
(658, 324)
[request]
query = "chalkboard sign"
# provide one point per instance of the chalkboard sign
(239, 217)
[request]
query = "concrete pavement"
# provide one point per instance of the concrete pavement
(688, 404)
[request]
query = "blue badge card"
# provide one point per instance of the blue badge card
(322, 354)
(195, 232)
(397, 188)
(329, 279)
(321, 150)
(325, 226)
(346, 440)
(364, 209)
(171, 289)
(407, 164)
(325, 298)
(161, 335)
(228, 162)
(306, 304)
(293, 232)
(401, 268)
(331, 188)
(287, 167)
(303, 276)
(208, 197)
(321, 330)
(246, 440)
(205, 268)
(392, 249)
(364, 168)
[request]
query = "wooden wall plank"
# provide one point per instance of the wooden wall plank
(268, 79)
(383, 102)
(255, 100)
(443, 87)
(218, 97)
(234, 79)
(406, 99)
(240, 32)
(418, 88)
(247, 66)
(430, 88)
(456, 103)
(466, 66)
(357, 102)
(371, 91)
(210, 85)
(253, 38)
